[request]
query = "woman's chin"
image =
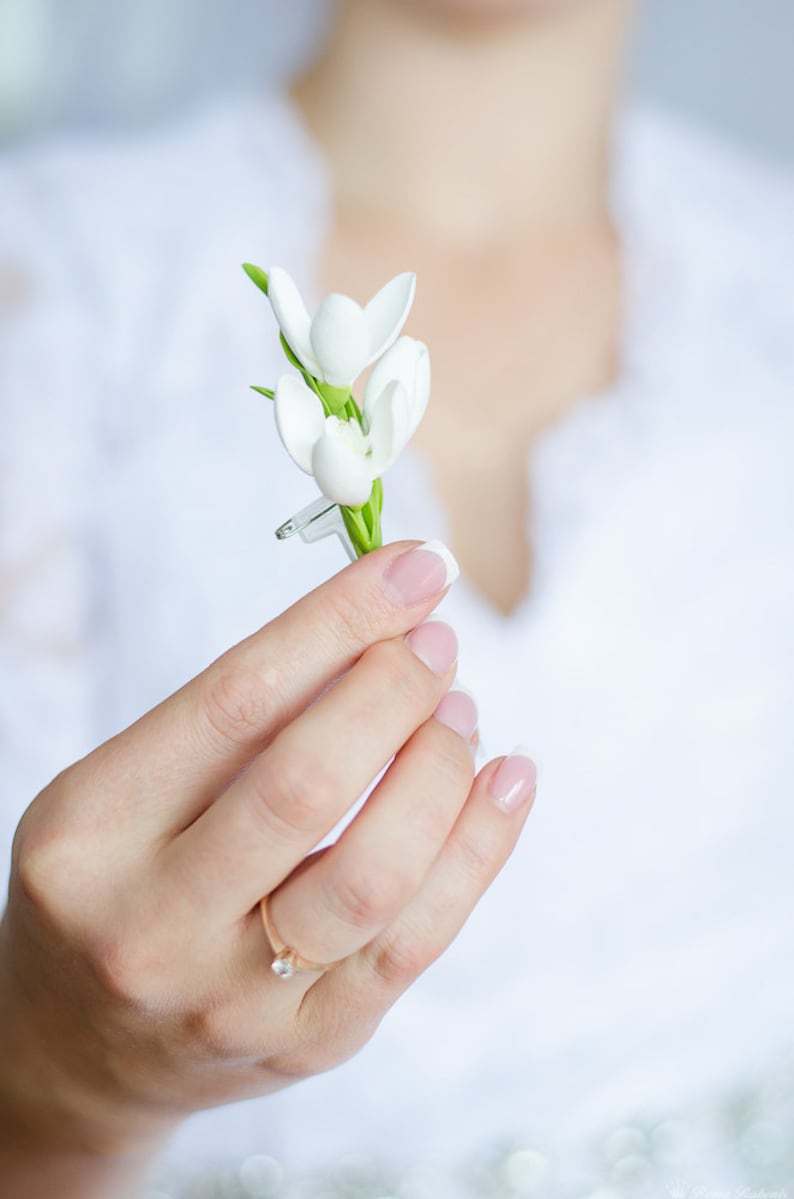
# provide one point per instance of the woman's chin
(485, 10)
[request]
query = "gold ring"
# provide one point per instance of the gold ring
(286, 961)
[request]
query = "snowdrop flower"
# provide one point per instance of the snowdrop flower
(343, 456)
(342, 338)
(344, 448)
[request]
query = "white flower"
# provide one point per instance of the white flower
(343, 338)
(344, 458)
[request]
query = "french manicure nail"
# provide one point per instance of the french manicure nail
(515, 780)
(458, 711)
(420, 573)
(435, 643)
(477, 748)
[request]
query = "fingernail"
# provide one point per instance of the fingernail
(420, 573)
(458, 711)
(435, 643)
(514, 782)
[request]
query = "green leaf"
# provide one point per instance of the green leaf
(256, 275)
(264, 391)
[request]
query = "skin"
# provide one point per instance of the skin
(115, 1021)
(480, 160)
(135, 984)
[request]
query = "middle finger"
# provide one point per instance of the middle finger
(251, 838)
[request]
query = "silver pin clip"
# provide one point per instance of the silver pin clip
(317, 520)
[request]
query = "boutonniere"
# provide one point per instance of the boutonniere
(344, 446)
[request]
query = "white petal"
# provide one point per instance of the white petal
(342, 475)
(388, 311)
(408, 361)
(340, 339)
(421, 392)
(293, 319)
(300, 419)
(390, 425)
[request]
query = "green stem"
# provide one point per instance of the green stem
(364, 523)
(357, 530)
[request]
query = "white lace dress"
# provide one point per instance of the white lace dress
(629, 975)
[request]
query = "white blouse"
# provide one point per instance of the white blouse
(633, 962)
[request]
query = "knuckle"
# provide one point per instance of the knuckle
(45, 861)
(359, 619)
(451, 759)
(342, 1033)
(363, 899)
(475, 862)
(123, 967)
(401, 673)
(213, 1032)
(135, 955)
(295, 1067)
(295, 794)
(32, 862)
(351, 619)
(239, 705)
(397, 958)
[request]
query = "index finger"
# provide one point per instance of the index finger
(182, 753)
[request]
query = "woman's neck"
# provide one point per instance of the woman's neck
(472, 131)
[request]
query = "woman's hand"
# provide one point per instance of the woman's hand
(136, 973)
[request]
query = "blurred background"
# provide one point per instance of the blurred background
(121, 62)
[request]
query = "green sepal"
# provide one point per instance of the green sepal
(264, 391)
(309, 380)
(333, 399)
(336, 398)
(291, 358)
(354, 412)
(257, 276)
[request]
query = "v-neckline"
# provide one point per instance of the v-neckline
(601, 406)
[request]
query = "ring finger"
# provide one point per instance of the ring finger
(352, 891)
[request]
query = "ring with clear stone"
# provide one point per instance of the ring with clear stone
(286, 961)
